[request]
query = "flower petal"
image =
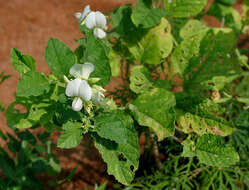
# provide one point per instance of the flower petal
(97, 97)
(87, 69)
(72, 88)
(85, 91)
(77, 104)
(100, 19)
(78, 15)
(79, 70)
(76, 70)
(85, 12)
(90, 21)
(99, 33)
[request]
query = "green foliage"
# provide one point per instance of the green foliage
(140, 79)
(229, 16)
(201, 117)
(117, 142)
(72, 135)
(145, 15)
(22, 63)
(115, 60)
(155, 46)
(211, 150)
(184, 8)
(59, 57)
(149, 105)
(32, 84)
(100, 59)
(20, 173)
(181, 80)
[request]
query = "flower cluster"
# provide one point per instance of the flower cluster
(93, 20)
(80, 89)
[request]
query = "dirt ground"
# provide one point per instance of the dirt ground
(27, 25)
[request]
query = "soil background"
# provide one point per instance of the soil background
(27, 25)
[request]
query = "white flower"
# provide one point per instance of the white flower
(81, 16)
(80, 90)
(93, 20)
(82, 70)
(79, 87)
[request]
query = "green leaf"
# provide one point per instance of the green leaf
(211, 150)
(215, 66)
(117, 142)
(192, 33)
(121, 22)
(155, 109)
(145, 15)
(201, 117)
(193, 28)
(72, 135)
(32, 84)
(115, 60)
(155, 46)
(188, 148)
(59, 57)
(140, 79)
(22, 63)
(97, 53)
(184, 8)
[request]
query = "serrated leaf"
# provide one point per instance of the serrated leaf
(154, 46)
(97, 53)
(201, 117)
(121, 150)
(211, 150)
(115, 60)
(22, 63)
(59, 57)
(32, 84)
(72, 135)
(145, 15)
(140, 79)
(147, 108)
(184, 8)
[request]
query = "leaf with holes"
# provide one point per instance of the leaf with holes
(117, 142)
(192, 33)
(147, 108)
(201, 116)
(140, 79)
(156, 45)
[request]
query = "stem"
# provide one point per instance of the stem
(156, 151)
